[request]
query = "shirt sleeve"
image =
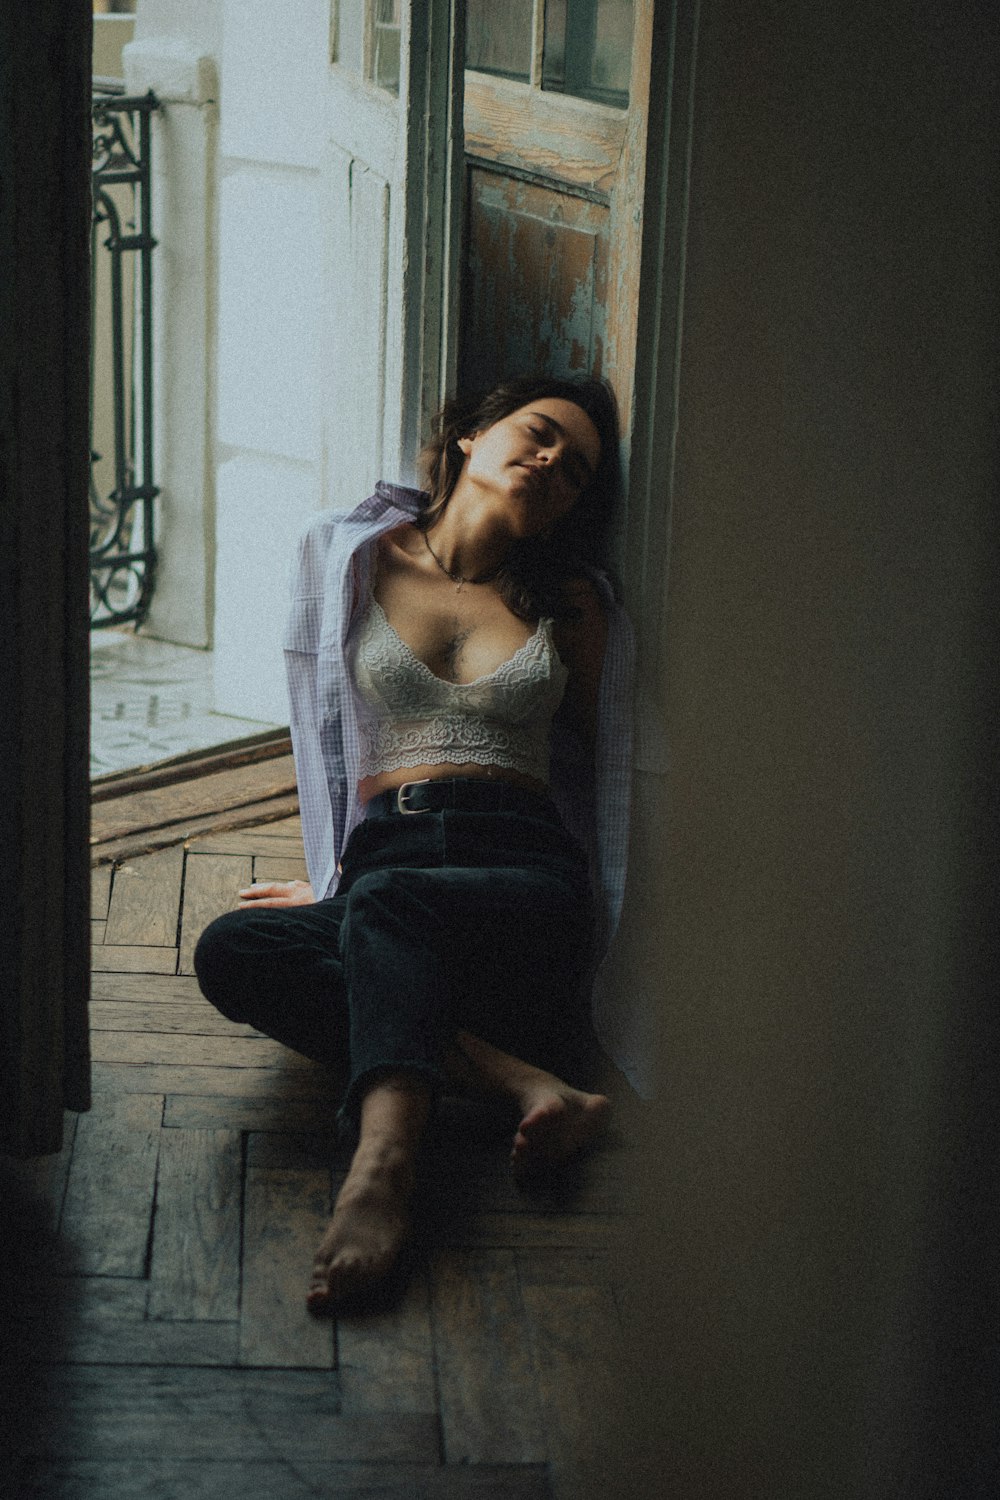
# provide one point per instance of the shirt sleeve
(301, 646)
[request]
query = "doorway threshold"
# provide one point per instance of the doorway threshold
(228, 787)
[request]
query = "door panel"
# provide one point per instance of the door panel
(552, 136)
(554, 139)
(536, 280)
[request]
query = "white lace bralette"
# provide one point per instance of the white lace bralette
(409, 717)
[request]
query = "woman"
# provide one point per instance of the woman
(441, 646)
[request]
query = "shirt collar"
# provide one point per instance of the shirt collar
(400, 497)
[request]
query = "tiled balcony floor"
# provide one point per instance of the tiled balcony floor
(151, 700)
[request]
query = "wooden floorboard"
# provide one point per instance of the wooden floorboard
(199, 1413)
(386, 1359)
(146, 900)
(172, 1479)
(576, 1347)
(136, 1016)
(211, 884)
(146, 988)
(279, 867)
(194, 1264)
(100, 891)
(143, 808)
(162, 1321)
(285, 1213)
(134, 960)
(282, 1114)
(238, 1052)
(177, 1078)
(108, 1207)
(95, 1338)
(490, 1411)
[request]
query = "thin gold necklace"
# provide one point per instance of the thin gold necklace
(458, 578)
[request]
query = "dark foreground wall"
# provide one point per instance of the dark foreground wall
(820, 1275)
(44, 461)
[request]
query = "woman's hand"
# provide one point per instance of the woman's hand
(277, 893)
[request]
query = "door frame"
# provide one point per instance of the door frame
(650, 426)
(644, 321)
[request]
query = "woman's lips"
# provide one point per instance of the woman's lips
(536, 474)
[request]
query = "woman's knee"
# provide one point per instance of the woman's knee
(221, 958)
(381, 897)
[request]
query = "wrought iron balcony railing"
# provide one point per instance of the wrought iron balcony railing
(122, 491)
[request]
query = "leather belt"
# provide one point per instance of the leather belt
(461, 794)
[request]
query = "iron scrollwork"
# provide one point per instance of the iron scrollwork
(122, 492)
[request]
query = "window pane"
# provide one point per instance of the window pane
(588, 49)
(498, 37)
(385, 45)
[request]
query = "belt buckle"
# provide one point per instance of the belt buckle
(402, 792)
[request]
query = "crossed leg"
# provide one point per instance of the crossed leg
(371, 1218)
(281, 972)
(556, 1120)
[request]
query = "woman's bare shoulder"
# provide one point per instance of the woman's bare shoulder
(400, 545)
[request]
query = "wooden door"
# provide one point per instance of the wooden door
(556, 95)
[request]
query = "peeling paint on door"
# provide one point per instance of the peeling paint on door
(536, 281)
(554, 172)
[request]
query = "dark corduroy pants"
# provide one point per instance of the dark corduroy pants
(443, 920)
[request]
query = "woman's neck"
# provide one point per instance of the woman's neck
(469, 539)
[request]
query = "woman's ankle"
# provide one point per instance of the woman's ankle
(392, 1119)
(383, 1156)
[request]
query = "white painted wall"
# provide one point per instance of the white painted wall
(239, 268)
(283, 376)
(274, 64)
(197, 22)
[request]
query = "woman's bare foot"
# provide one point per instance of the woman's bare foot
(369, 1227)
(558, 1122)
(371, 1218)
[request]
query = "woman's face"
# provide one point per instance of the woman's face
(540, 458)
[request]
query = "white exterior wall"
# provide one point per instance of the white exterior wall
(269, 477)
(197, 22)
(296, 371)
(311, 376)
(282, 378)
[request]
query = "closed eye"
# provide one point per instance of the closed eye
(576, 467)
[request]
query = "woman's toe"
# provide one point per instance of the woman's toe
(318, 1295)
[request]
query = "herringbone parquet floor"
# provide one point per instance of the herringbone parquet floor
(156, 1329)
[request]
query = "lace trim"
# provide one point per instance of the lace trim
(407, 716)
(523, 666)
(455, 740)
(393, 680)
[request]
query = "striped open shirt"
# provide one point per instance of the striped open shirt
(331, 581)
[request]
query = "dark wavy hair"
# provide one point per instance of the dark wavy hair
(534, 578)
